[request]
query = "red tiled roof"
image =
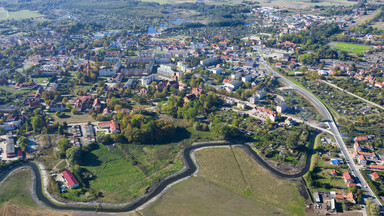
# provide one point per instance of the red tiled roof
(375, 175)
(70, 178)
(347, 176)
(377, 167)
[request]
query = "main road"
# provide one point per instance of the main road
(332, 125)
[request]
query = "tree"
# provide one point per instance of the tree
(23, 143)
(74, 155)
(37, 124)
(63, 144)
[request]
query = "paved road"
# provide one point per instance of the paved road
(332, 125)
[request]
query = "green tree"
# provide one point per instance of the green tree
(63, 144)
(74, 155)
(23, 143)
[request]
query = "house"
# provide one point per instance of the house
(347, 177)
(375, 176)
(55, 107)
(197, 91)
(96, 107)
(112, 125)
(362, 161)
(107, 111)
(189, 97)
(333, 172)
(351, 197)
(70, 179)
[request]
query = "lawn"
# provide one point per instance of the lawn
(353, 48)
(230, 183)
(19, 15)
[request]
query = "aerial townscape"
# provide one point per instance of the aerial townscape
(184, 107)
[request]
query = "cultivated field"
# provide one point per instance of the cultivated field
(351, 48)
(230, 183)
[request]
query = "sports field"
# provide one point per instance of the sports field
(352, 48)
(230, 183)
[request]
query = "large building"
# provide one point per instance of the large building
(233, 85)
(147, 80)
(209, 61)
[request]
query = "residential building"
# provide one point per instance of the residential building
(281, 107)
(347, 177)
(362, 161)
(112, 125)
(70, 179)
(147, 80)
(209, 61)
(55, 107)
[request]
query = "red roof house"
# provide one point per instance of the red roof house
(347, 177)
(70, 178)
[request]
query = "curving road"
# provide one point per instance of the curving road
(157, 189)
(332, 125)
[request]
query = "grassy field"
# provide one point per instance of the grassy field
(230, 183)
(115, 177)
(352, 48)
(16, 189)
(72, 118)
(19, 15)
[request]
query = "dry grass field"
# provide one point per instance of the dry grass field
(230, 183)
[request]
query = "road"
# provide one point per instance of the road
(332, 125)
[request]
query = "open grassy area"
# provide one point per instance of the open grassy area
(230, 183)
(16, 189)
(72, 118)
(19, 15)
(115, 177)
(16, 200)
(352, 48)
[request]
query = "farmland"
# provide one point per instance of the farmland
(351, 48)
(236, 185)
